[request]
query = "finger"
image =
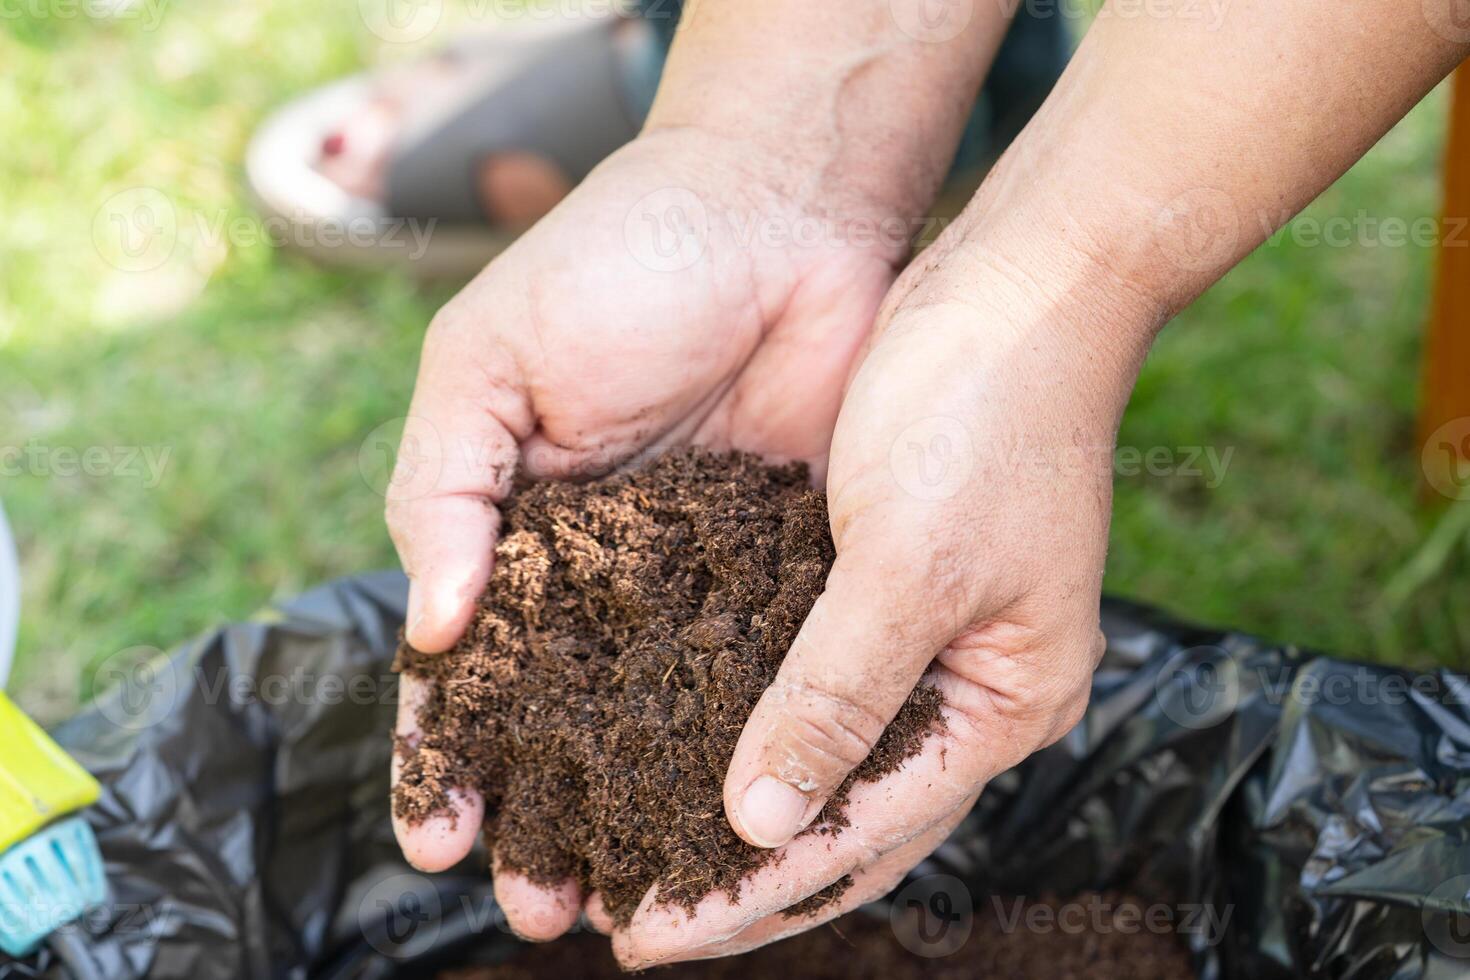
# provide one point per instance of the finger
(852, 666)
(442, 840)
(542, 458)
(456, 461)
(883, 817)
(539, 913)
(446, 547)
(868, 884)
(1015, 699)
(597, 915)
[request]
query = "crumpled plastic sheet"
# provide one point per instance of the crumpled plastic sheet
(1320, 809)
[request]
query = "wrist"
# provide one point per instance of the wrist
(775, 200)
(863, 111)
(801, 164)
(1033, 301)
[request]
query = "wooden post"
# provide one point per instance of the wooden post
(1444, 419)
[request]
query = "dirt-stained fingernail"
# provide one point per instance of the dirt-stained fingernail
(771, 811)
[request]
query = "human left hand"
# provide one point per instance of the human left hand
(969, 493)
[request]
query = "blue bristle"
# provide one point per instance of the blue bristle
(50, 879)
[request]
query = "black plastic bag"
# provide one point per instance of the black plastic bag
(1315, 811)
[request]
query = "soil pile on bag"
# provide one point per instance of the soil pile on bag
(1112, 946)
(628, 630)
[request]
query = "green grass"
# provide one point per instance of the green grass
(260, 376)
(1306, 361)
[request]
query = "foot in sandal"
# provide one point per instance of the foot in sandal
(481, 139)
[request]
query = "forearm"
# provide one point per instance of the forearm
(855, 111)
(1173, 146)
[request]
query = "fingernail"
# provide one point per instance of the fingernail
(771, 811)
(415, 610)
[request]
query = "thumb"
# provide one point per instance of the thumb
(458, 455)
(851, 668)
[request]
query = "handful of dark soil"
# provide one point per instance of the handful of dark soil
(628, 630)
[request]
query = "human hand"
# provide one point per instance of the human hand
(969, 492)
(587, 343)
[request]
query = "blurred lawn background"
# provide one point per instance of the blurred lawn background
(261, 375)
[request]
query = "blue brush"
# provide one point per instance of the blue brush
(46, 881)
(50, 867)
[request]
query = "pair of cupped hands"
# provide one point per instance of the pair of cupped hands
(949, 415)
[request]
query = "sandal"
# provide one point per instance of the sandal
(567, 95)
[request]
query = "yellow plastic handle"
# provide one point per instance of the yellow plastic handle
(38, 781)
